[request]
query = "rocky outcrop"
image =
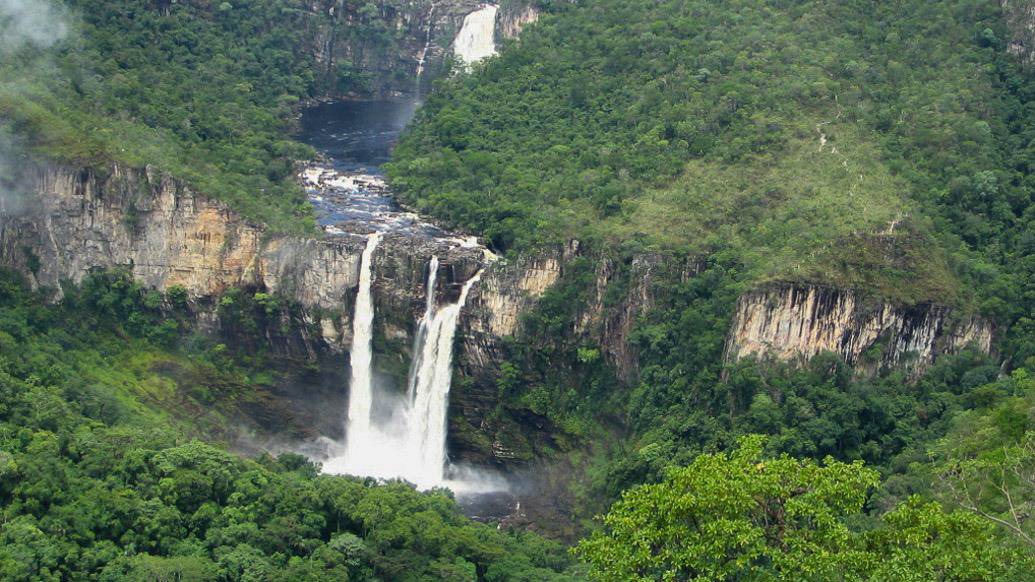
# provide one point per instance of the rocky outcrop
(1020, 21)
(610, 323)
(493, 313)
(795, 323)
(510, 290)
(386, 40)
(168, 236)
(514, 16)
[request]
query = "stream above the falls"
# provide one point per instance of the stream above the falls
(347, 188)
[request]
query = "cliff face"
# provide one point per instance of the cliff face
(166, 235)
(514, 16)
(795, 323)
(1020, 21)
(402, 37)
(493, 314)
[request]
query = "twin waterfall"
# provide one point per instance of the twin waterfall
(394, 431)
(410, 441)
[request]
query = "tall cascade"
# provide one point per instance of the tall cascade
(423, 57)
(422, 328)
(477, 37)
(361, 383)
(432, 381)
(410, 442)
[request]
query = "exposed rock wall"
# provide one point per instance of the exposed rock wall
(1020, 21)
(514, 16)
(610, 324)
(384, 39)
(507, 292)
(167, 235)
(795, 323)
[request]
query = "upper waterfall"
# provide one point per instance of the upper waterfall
(477, 37)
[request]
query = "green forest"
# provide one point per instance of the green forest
(880, 147)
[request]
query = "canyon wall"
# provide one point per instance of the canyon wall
(795, 323)
(514, 16)
(388, 42)
(166, 235)
(1020, 22)
(401, 40)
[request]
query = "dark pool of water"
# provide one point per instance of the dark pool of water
(357, 135)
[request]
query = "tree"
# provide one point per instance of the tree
(730, 516)
(739, 516)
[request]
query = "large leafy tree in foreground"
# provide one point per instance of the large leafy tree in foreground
(739, 516)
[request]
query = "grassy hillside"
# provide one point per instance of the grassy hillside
(203, 90)
(880, 146)
(790, 133)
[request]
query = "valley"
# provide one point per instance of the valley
(529, 290)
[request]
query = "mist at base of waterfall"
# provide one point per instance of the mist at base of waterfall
(387, 452)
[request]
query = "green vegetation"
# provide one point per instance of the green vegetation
(741, 516)
(99, 481)
(804, 139)
(205, 91)
(883, 147)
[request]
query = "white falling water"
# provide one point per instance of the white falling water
(477, 37)
(361, 382)
(411, 443)
(422, 327)
(431, 393)
(423, 57)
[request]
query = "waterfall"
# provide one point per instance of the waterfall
(432, 380)
(477, 37)
(361, 385)
(427, 46)
(422, 327)
(411, 443)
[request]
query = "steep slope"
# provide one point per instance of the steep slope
(872, 150)
(740, 183)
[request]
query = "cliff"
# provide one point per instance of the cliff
(1020, 23)
(166, 235)
(401, 38)
(794, 323)
(514, 16)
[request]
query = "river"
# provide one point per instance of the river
(348, 191)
